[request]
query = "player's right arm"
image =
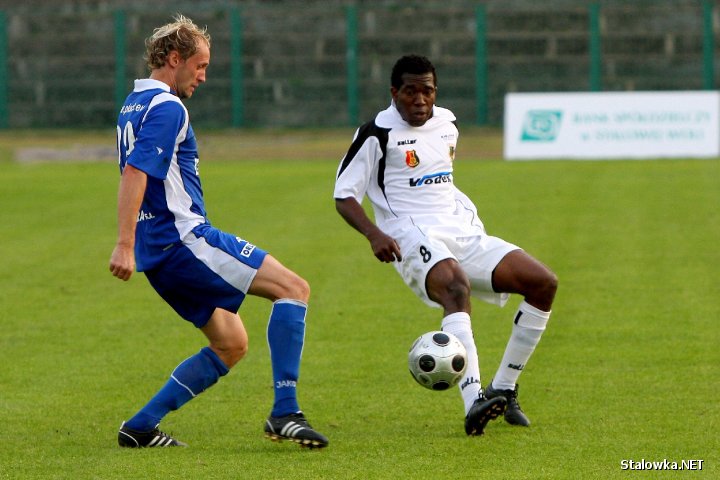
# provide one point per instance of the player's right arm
(130, 197)
(351, 183)
(384, 247)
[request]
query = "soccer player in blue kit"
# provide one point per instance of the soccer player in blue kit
(431, 232)
(203, 273)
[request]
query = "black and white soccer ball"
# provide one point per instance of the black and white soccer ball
(437, 360)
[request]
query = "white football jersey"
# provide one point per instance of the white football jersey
(407, 174)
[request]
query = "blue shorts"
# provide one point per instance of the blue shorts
(210, 269)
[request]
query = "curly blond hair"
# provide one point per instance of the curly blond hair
(181, 35)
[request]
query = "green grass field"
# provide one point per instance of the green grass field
(627, 370)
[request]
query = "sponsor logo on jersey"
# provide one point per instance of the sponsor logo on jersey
(248, 248)
(431, 179)
(133, 107)
(143, 215)
(448, 137)
(411, 158)
(406, 142)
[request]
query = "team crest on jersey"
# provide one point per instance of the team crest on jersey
(452, 153)
(411, 158)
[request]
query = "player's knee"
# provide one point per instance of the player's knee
(232, 350)
(298, 289)
(543, 293)
(236, 353)
(456, 295)
(550, 286)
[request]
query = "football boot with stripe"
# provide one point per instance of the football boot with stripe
(294, 427)
(130, 438)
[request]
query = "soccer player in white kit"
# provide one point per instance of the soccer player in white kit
(403, 162)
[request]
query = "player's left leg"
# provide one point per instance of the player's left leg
(286, 337)
(194, 375)
(192, 288)
(520, 273)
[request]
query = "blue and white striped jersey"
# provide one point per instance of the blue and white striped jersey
(155, 136)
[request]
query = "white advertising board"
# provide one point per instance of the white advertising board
(612, 125)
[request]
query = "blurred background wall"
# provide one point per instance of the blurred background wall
(289, 63)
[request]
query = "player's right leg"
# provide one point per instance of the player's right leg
(431, 270)
(448, 285)
(286, 337)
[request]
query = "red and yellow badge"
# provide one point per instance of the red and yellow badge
(411, 158)
(452, 153)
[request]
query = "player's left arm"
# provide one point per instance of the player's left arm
(130, 196)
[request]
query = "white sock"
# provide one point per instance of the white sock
(528, 328)
(459, 325)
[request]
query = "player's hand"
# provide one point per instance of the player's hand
(384, 247)
(122, 262)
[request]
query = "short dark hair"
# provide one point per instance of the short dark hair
(414, 64)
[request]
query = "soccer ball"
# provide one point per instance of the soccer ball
(437, 360)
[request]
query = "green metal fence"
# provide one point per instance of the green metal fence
(323, 65)
(4, 112)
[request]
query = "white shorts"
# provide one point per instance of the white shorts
(478, 255)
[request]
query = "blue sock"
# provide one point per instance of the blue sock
(286, 336)
(193, 376)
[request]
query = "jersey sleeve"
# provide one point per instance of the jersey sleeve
(154, 146)
(357, 167)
